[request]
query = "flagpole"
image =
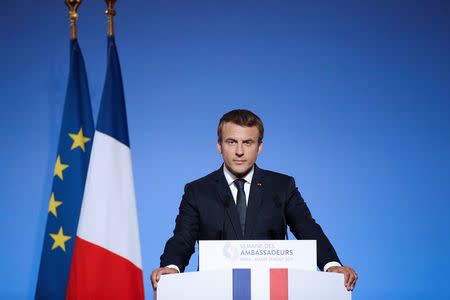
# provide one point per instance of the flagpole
(73, 16)
(107, 261)
(110, 12)
(69, 178)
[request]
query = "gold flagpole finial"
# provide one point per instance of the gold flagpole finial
(73, 16)
(110, 12)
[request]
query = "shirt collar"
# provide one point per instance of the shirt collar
(230, 177)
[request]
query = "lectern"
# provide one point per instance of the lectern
(257, 270)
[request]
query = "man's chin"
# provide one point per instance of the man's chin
(240, 171)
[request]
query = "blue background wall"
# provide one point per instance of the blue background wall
(355, 99)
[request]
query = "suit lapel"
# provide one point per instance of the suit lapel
(223, 190)
(254, 201)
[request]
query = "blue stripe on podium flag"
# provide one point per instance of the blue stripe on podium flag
(241, 284)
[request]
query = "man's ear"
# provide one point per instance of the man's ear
(260, 147)
(219, 146)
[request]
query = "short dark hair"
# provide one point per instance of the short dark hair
(241, 117)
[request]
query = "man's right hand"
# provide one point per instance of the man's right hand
(156, 275)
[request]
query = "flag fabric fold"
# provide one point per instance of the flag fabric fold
(107, 261)
(72, 160)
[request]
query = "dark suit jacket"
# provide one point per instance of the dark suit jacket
(202, 211)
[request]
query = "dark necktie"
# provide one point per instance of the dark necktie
(240, 202)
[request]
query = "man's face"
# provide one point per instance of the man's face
(239, 147)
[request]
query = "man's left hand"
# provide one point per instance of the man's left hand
(350, 276)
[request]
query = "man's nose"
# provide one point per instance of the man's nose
(239, 149)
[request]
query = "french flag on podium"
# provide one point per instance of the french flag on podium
(278, 284)
(107, 261)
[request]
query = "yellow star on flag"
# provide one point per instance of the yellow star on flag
(59, 168)
(59, 239)
(53, 205)
(79, 140)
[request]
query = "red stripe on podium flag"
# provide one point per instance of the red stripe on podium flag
(101, 274)
(278, 284)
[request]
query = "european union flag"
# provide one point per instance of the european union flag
(72, 160)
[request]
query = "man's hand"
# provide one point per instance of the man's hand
(350, 276)
(156, 275)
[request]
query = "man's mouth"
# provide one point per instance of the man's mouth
(239, 161)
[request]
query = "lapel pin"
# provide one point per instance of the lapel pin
(259, 183)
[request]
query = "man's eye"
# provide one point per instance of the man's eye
(248, 142)
(231, 142)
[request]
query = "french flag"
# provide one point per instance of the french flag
(287, 284)
(107, 261)
(278, 284)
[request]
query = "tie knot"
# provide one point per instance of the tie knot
(240, 183)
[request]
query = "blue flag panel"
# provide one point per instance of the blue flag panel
(241, 284)
(112, 116)
(72, 160)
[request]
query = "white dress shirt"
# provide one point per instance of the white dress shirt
(231, 178)
(248, 180)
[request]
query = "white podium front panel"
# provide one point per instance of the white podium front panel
(318, 286)
(215, 285)
(246, 284)
(214, 255)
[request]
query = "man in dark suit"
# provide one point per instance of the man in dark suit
(242, 201)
